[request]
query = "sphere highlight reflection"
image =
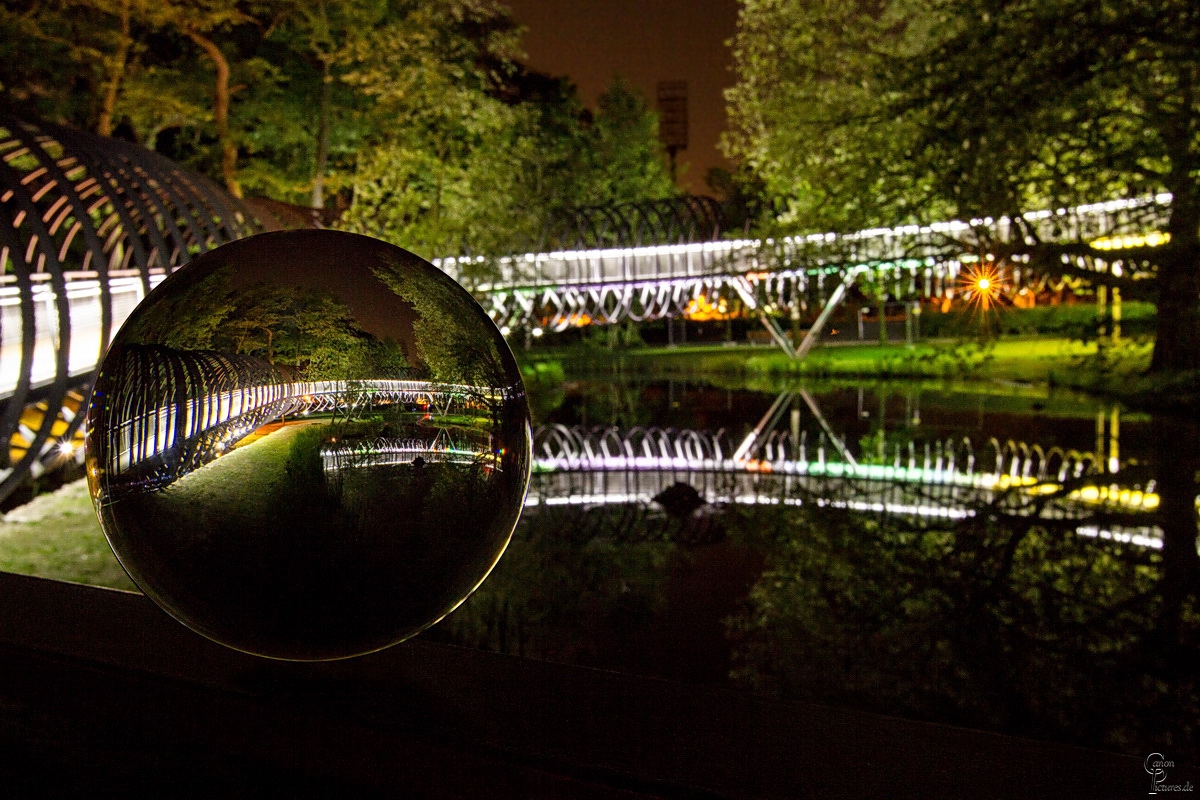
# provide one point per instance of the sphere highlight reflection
(308, 445)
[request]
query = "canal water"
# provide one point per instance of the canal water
(998, 557)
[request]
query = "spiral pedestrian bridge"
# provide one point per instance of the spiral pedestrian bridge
(91, 224)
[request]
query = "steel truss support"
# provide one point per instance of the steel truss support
(831, 305)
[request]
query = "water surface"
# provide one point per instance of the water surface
(1004, 558)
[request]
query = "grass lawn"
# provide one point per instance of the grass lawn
(1033, 360)
(58, 536)
(237, 482)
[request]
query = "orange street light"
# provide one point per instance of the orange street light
(983, 286)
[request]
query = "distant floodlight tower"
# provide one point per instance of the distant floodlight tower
(673, 118)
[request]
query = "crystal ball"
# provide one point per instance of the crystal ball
(308, 445)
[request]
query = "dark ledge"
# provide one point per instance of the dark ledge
(101, 694)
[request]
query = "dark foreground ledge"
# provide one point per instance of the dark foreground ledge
(101, 694)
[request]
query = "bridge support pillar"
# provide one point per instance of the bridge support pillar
(778, 334)
(831, 305)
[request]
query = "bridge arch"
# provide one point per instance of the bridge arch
(88, 225)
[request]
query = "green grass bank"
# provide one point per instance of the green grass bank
(1031, 360)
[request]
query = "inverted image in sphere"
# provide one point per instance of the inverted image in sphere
(308, 445)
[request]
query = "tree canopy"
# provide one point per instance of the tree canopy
(416, 115)
(900, 111)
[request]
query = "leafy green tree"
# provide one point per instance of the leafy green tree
(214, 27)
(414, 113)
(806, 115)
(919, 108)
(626, 158)
(66, 59)
(187, 320)
(307, 329)
(428, 72)
(312, 42)
(450, 336)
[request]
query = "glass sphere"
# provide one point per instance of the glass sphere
(308, 445)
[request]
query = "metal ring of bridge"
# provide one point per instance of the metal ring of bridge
(675, 220)
(82, 214)
(171, 411)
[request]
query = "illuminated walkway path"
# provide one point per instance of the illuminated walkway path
(158, 443)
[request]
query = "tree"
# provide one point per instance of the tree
(67, 59)
(626, 158)
(452, 337)
(414, 112)
(806, 113)
(427, 72)
(202, 22)
(988, 108)
(314, 39)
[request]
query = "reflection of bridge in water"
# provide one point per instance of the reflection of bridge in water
(179, 410)
(393, 452)
(950, 479)
(93, 224)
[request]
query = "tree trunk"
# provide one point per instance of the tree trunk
(1177, 451)
(322, 159)
(221, 111)
(1177, 334)
(116, 74)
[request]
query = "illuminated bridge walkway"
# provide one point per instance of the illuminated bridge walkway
(183, 409)
(597, 467)
(802, 274)
(91, 224)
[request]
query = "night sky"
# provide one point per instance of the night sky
(644, 41)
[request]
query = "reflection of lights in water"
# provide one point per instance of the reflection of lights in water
(1138, 537)
(384, 452)
(1115, 495)
(1135, 499)
(1145, 537)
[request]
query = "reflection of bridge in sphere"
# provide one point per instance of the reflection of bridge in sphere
(393, 452)
(174, 411)
(953, 479)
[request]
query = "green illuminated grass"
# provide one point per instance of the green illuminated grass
(1061, 361)
(58, 536)
(236, 483)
